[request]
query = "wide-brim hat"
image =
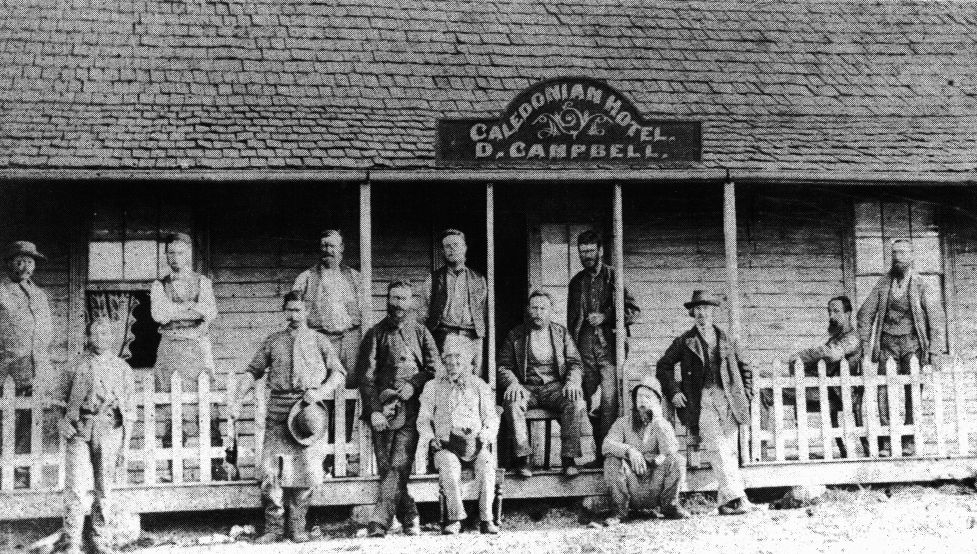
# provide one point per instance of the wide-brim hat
(702, 297)
(308, 423)
(393, 409)
(648, 382)
(25, 247)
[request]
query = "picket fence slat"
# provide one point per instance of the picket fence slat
(936, 377)
(8, 409)
(826, 431)
(959, 390)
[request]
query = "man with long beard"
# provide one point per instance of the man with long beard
(397, 357)
(642, 464)
(902, 318)
(843, 344)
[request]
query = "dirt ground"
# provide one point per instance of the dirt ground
(904, 519)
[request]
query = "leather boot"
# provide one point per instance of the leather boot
(298, 507)
(274, 525)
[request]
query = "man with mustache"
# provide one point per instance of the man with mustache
(843, 343)
(902, 318)
(712, 399)
(591, 318)
(332, 291)
(301, 371)
(25, 335)
(642, 464)
(457, 297)
(539, 367)
(397, 357)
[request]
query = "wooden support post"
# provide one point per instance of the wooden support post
(490, 278)
(800, 404)
(366, 273)
(732, 265)
(622, 331)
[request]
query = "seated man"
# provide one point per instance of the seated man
(459, 420)
(843, 343)
(539, 366)
(642, 465)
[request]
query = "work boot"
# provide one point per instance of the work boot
(452, 528)
(414, 528)
(274, 526)
(570, 468)
(488, 528)
(674, 512)
(734, 507)
(374, 529)
(522, 467)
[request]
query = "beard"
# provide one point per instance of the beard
(833, 327)
(898, 270)
(396, 311)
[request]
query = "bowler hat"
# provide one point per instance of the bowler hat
(393, 409)
(700, 297)
(24, 247)
(307, 423)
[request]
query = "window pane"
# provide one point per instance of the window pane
(924, 218)
(927, 254)
(140, 260)
(141, 222)
(895, 219)
(104, 261)
(869, 255)
(553, 255)
(868, 219)
(107, 223)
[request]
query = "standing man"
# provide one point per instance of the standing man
(712, 399)
(643, 467)
(25, 323)
(303, 371)
(25, 335)
(397, 358)
(591, 317)
(332, 292)
(902, 318)
(183, 305)
(539, 367)
(457, 297)
(459, 421)
(843, 344)
(97, 392)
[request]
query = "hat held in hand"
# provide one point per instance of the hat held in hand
(393, 409)
(307, 423)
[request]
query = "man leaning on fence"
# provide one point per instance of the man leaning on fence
(539, 367)
(397, 358)
(642, 464)
(302, 372)
(97, 393)
(843, 344)
(459, 421)
(901, 319)
(712, 398)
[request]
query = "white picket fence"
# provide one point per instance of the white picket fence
(41, 466)
(940, 425)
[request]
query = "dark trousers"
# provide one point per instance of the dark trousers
(901, 348)
(395, 456)
(548, 396)
(599, 370)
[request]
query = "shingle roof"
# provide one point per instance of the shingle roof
(802, 85)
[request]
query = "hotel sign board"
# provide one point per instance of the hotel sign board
(569, 121)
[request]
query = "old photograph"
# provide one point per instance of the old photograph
(424, 276)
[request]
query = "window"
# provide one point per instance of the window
(878, 223)
(126, 243)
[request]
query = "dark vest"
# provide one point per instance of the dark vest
(477, 294)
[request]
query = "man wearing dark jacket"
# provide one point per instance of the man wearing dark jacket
(539, 367)
(712, 398)
(591, 317)
(397, 357)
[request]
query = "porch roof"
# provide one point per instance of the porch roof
(357, 84)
